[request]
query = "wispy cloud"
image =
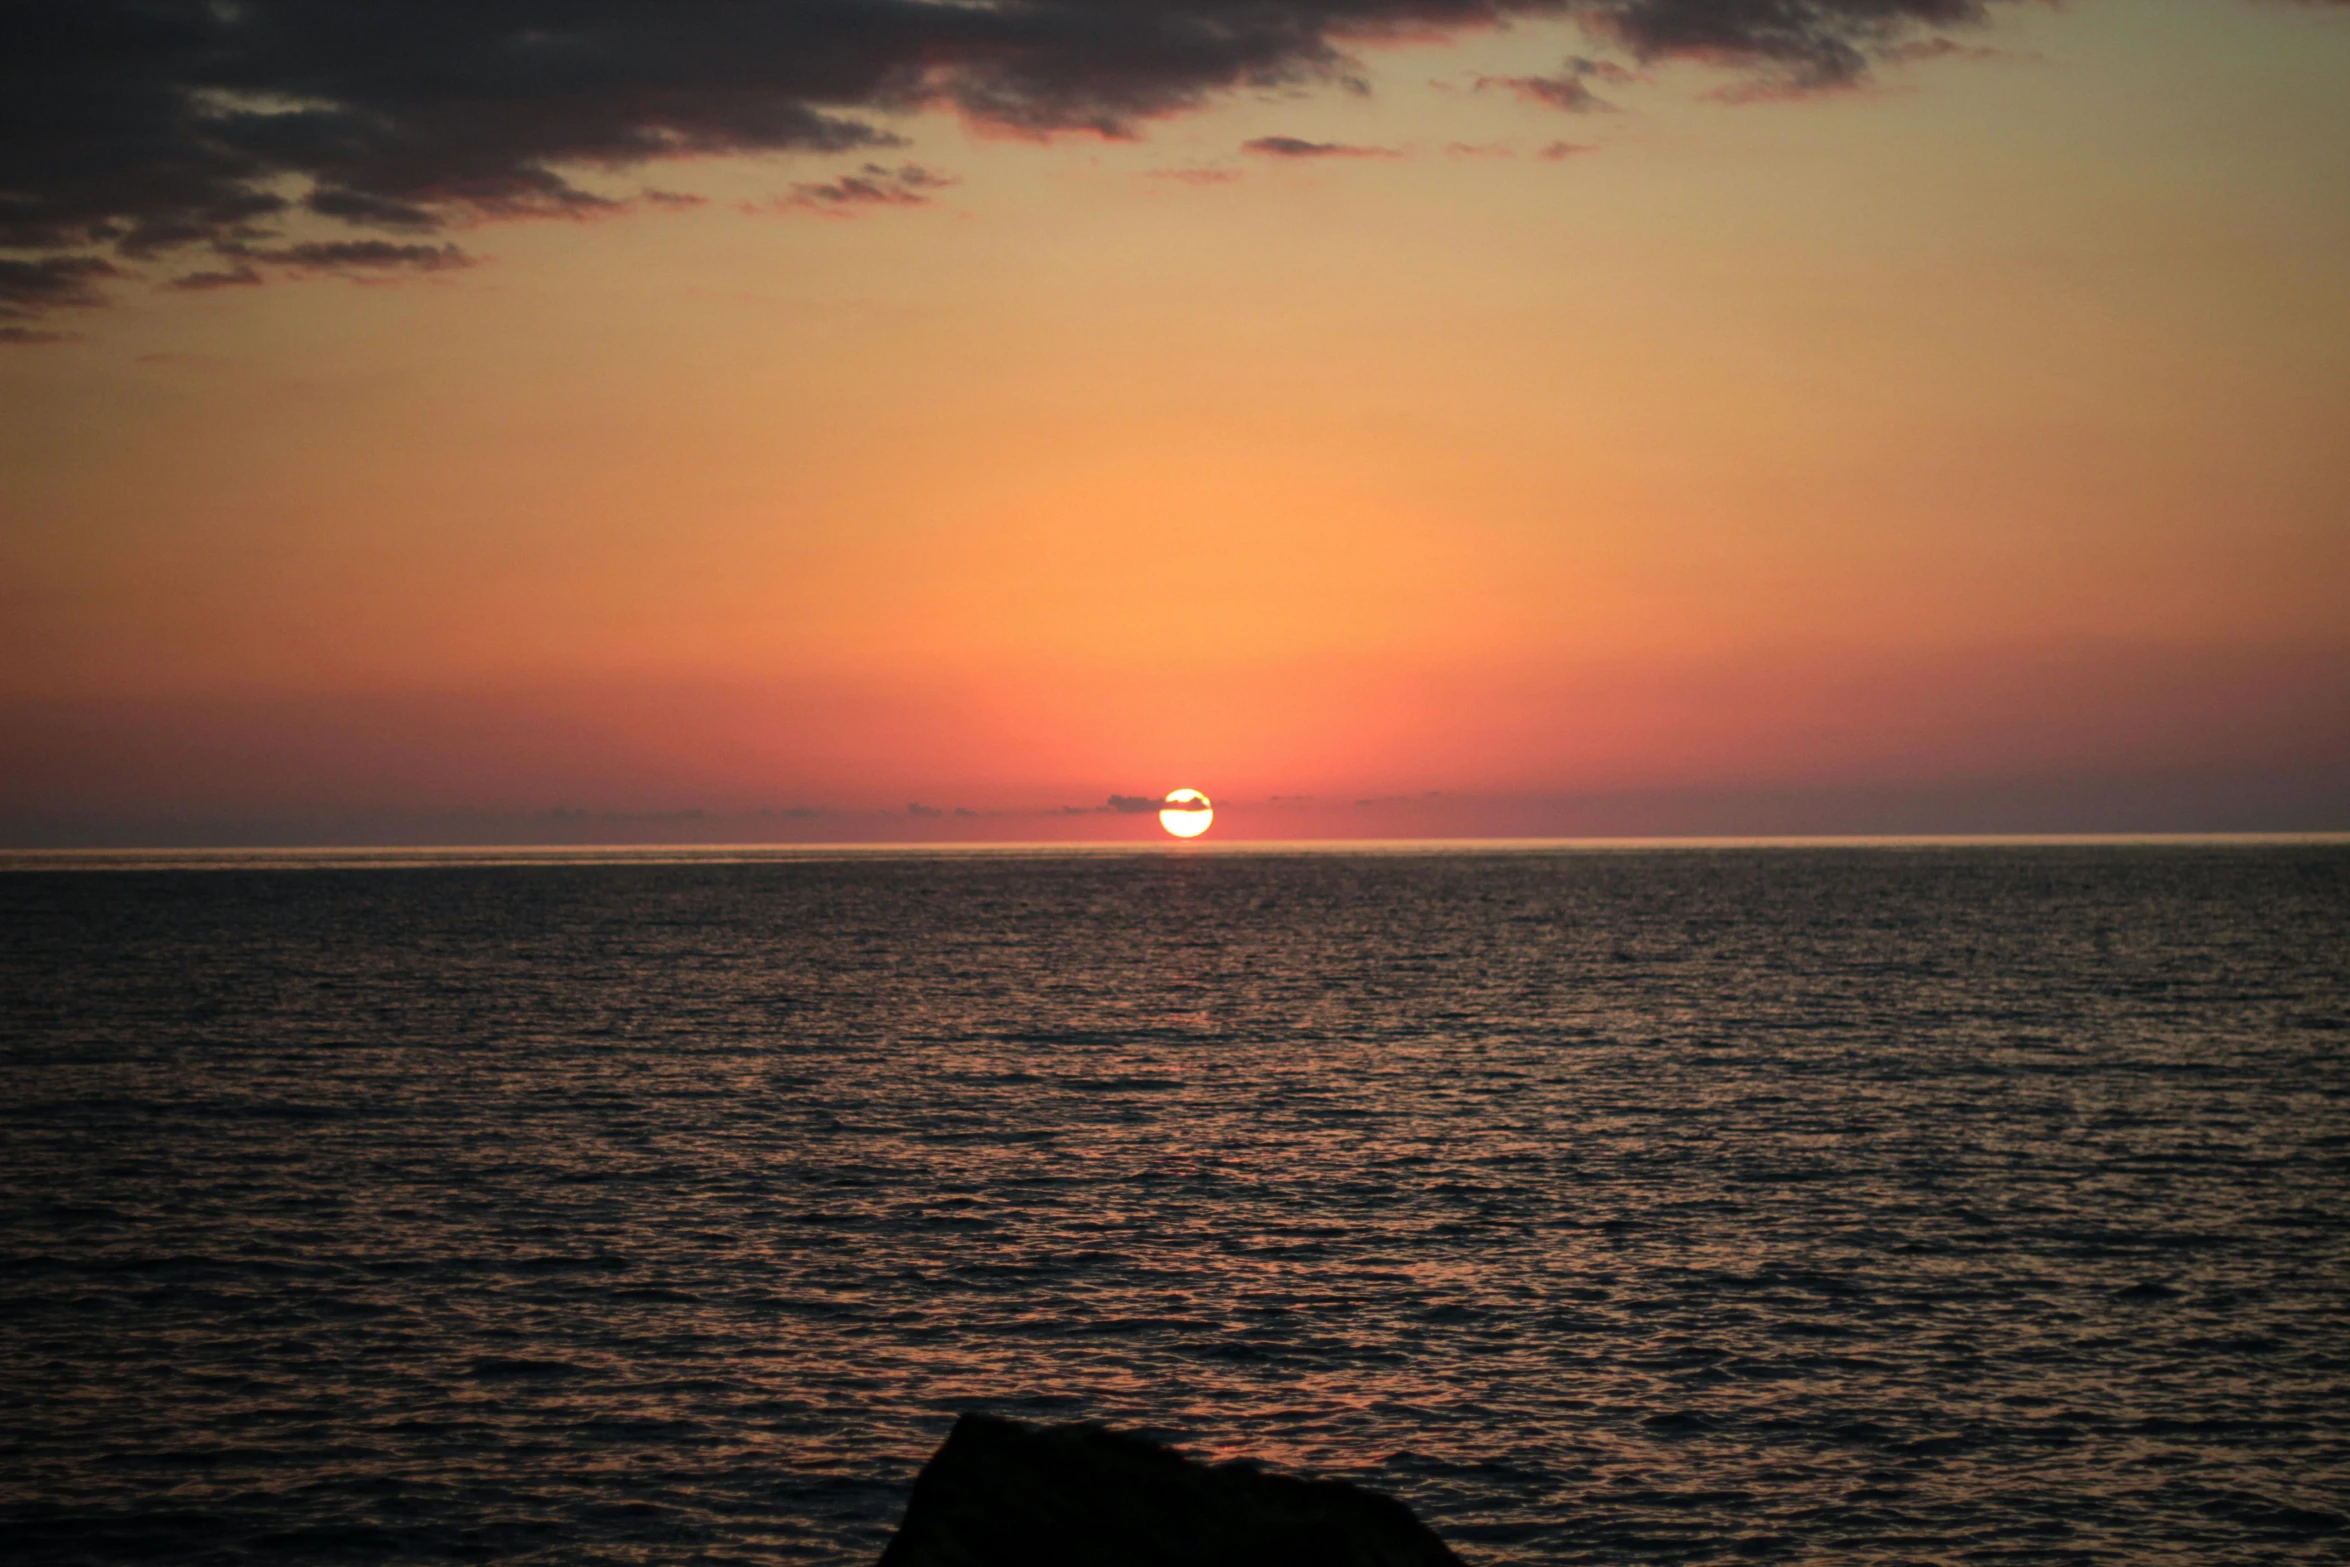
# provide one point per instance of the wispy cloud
(1197, 176)
(1295, 147)
(1570, 90)
(203, 282)
(1952, 49)
(874, 185)
(360, 256)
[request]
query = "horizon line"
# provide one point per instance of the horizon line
(394, 856)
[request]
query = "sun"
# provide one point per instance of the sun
(1187, 814)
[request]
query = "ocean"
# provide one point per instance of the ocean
(1866, 1204)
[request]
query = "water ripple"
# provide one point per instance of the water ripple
(1939, 1205)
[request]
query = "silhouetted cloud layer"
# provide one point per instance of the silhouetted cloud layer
(131, 128)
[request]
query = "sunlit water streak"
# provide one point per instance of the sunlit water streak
(1880, 1205)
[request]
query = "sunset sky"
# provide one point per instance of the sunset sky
(524, 420)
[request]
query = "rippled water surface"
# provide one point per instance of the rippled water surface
(1884, 1205)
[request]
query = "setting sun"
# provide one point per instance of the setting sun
(1188, 813)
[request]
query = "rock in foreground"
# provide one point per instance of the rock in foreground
(1002, 1494)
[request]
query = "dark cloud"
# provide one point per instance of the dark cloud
(137, 127)
(1560, 151)
(134, 128)
(358, 207)
(359, 256)
(27, 334)
(233, 277)
(1785, 45)
(1293, 147)
(27, 288)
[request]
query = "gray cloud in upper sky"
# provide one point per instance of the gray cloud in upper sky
(134, 128)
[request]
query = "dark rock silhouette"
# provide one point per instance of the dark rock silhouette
(998, 1493)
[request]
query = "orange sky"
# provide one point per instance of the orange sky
(1961, 449)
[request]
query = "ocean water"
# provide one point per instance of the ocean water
(1867, 1205)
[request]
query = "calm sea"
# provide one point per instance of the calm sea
(1868, 1205)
